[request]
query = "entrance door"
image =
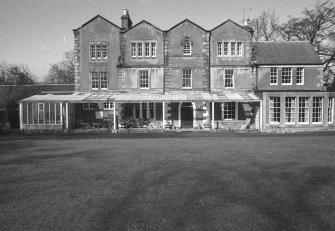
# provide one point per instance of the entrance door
(186, 115)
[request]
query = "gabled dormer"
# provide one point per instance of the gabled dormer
(230, 44)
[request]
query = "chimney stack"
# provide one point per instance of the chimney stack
(125, 20)
(246, 22)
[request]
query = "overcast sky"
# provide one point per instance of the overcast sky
(38, 32)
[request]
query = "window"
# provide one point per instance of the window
(229, 78)
(300, 76)
(289, 110)
(88, 106)
(95, 80)
(98, 52)
(137, 110)
(273, 76)
(219, 48)
(153, 49)
(144, 79)
(225, 48)
(108, 106)
(274, 109)
(239, 49)
(187, 79)
(330, 109)
(229, 110)
(151, 110)
(287, 76)
(144, 110)
(186, 47)
(147, 49)
(103, 80)
(230, 48)
(133, 49)
(41, 113)
(99, 80)
(104, 52)
(303, 110)
(139, 49)
(317, 110)
(143, 49)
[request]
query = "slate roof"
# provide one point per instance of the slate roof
(285, 53)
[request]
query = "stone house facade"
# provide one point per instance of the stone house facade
(185, 77)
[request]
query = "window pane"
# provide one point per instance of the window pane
(35, 113)
(151, 110)
(30, 113)
(286, 76)
(239, 49)
(144, 79)
(144, 110)
(47, 113)
(300, 75)
(41, 113)
(187, 78)
(229, 78)
(274, 110)
(186, 47)
(52, 113)
(139, 49)
(99, 52)
(133, 49)
(103, 80)
(137, 110)
(317, 110)
(289, 109)
(232, 48)
(24, 113)
(147, 49)
(330, 109)
(219, 48)
(92, 52)
(153, 49)
(273, 76)
(95, 80)
(229, 110)
(225, 48)
(58, 113)
(104, 52)
(303, 110)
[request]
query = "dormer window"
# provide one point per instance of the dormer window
(187, 46)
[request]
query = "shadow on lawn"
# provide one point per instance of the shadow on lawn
(188, 196)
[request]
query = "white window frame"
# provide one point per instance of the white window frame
(153, 47)
(231, 48)
(226, 108)
(276, 110)
(187, 47)
(133, 47)
(105, 80)
(219, 49)
(88, 106)
(239, 49)
(140, 73)
(98, 51)
(147, 49)
(232, 79)
(108, 105)
(288, 74)
(319, 118)
(273, 75)
(94, 75)
(290, 110)
(187, 77)
(300, 73)
(143, 49)
(303, 113)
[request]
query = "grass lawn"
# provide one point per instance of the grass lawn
(179, 181)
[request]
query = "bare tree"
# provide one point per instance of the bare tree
(266, 26)
(12, 77)
(317, 25)
(63, 71)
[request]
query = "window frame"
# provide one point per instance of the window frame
(144, 81)
(290, 110)
(187, 47)
(230, 108)
(219, 49)
(98, 51)
(286, 75)
(143, 49)
(187, 78)
(316, 110)
(273, 76)
(232, 79)
(108, 106)
(303, 110)
(300, 73)
(330, 109)
(88, 106)
(275, 119)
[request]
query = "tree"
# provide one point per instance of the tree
(63, 71)
(12, 77)
(317, 25)
(266, 26)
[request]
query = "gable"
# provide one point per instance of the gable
(189, 24)
(96, 20)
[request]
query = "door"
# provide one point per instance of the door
(186, 115)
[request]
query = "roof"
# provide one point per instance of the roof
(98, 16)
(141, 22)
(231, 21)
(186, 20)
(146, 97)
(285, 53)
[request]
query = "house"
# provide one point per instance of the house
(185, 77)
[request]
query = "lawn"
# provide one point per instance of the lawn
(168, 181)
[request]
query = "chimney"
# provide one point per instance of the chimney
(246, 22)
(125, 20)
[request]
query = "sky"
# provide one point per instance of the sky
(36, 33)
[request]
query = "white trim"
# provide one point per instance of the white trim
(21, 116)
(61, 113)
(213, 122)
(302, 76)
(163, 116)
(66, 115)
(114, 116)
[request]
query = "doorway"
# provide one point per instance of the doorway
(186, 115)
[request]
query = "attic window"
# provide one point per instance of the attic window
(187, 46)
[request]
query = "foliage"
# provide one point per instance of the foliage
(12, 77)
(266, 26)
(127, 119)
(63, 71)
